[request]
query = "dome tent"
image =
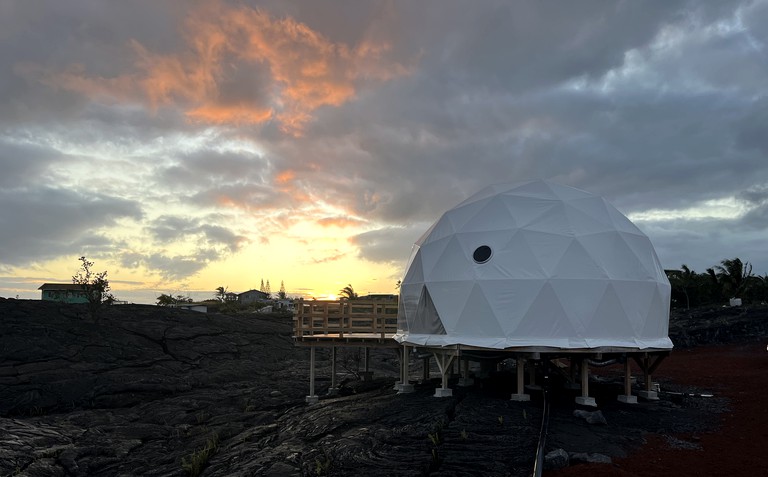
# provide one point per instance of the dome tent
(534, 265)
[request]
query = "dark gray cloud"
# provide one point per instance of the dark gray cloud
(168, 229)
(45, 223)
(23, 163)
(389, 244)
(657, 106)
(169, 266)
(206, 168)
(208, 241)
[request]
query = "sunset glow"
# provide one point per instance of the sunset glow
(184, 146)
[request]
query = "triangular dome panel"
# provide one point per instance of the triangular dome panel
(622, 223)
(431, 252)
(460, 215)
(494, 215)
(452, 264)
(516, 259)
(450, 298)
(547, 248)
(610, 321)
(545, 318)
(511, 299)
(659, 304)
(641, 247)
(612, 253)
(636, 298)
(478, 318)
(443, 228)
(582, 223)
(578, 263)
(527, 209)
(554, 220)
(596, 208)
(581, 297)
(415, 271)
(427, 320)
(410, 294)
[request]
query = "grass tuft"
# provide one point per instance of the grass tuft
(196, 462)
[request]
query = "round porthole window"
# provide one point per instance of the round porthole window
(482, 254)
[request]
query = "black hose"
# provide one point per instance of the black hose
(538, 465)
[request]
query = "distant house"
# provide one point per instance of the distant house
(231, 297)
(386, 297)
(285, 305)
(191, 307)
(252, 296)
(63, 292)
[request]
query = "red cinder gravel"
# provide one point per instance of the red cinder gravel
(738, 447)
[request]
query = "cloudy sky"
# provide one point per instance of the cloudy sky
(188, 145)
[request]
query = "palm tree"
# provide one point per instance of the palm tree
(684, 279)
(221, 293)
(348, 293)
(734, 276)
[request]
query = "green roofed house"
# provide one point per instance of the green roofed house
(63, 292)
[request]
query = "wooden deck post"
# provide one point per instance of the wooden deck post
(627, 397)
(425, 369)
(465, 380)
(648, 366)
(520, 394)
(366, 374)
(332, 391)
(312, 398)
(445, 365)
(406, 386)
(584, 399)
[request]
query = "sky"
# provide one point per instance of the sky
(187, 145)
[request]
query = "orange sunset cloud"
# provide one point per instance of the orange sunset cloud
(340, 222)
(231, 48)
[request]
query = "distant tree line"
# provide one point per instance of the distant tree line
(732, 278)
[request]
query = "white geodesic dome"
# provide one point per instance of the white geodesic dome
(534, 265)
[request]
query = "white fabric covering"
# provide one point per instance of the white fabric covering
(567, 270)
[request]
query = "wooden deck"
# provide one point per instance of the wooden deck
(367, 324)
(345, 321)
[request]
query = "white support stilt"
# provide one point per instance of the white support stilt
(333, 390)
(406, 386)
(649, 392)
(366, 374)
(445, 365)
(627, 397)
(465, 380)
(399, 383)
(520, 395)
(312, 398)
(584, 399)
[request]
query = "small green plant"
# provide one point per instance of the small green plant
(323, 465)
(434, 464)
(199, 459)
(501, 420)
(434, 438)
(525, 415)
(463, 434)
(201, 417)
(249, 407)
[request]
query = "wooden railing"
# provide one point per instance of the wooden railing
(344, 318)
